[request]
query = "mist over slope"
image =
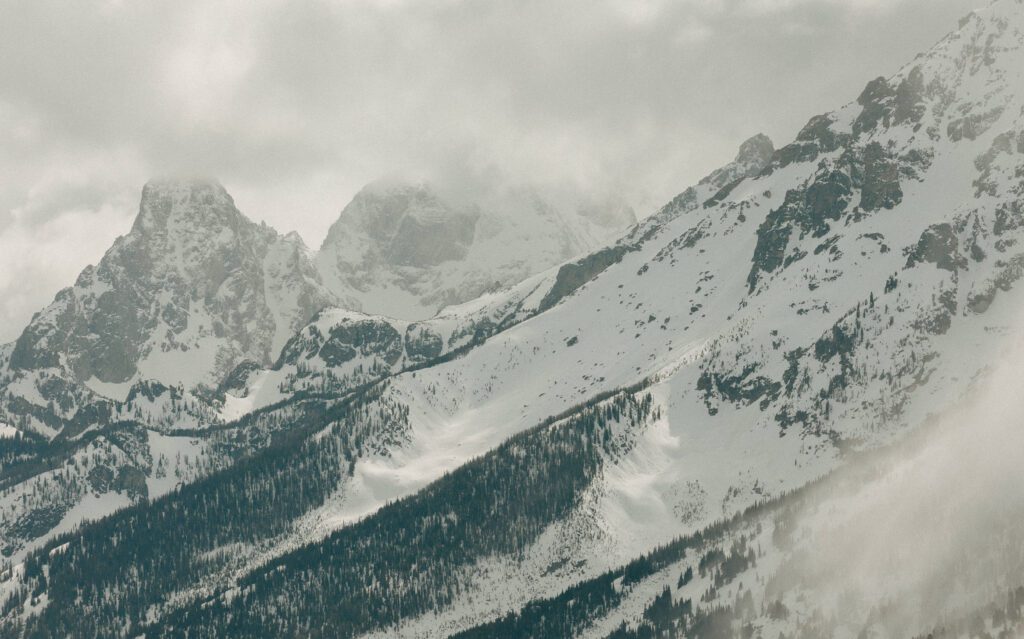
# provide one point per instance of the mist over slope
(406, 251)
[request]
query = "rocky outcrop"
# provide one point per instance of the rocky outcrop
(192, 290)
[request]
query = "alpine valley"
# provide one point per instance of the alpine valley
(778, 406)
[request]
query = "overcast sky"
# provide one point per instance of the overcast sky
(295, 106)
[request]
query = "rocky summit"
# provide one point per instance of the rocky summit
(407, 251)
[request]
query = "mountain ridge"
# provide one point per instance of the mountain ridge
(585, 439)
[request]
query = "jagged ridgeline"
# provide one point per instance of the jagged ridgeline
(196, 290)
(624, 443)
(132, 376)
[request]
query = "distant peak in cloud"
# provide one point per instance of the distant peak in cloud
(758, 148)
(163, 198)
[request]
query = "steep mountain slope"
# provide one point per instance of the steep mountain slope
(167, 439)
(190, 256)
(141, 341)
(862, 306)
(903, 541)
(174, 331)
(405, 251)
(195, 289)
(762, 328)
(340, 349)
(191, 291)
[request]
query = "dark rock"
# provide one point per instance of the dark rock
(881, 181)
(973, 126)
(572, 276)
(938, 245)
(815, 138)
(806, 211)
(422, 344)
(363, 337)
(877, 105)
(132, 481)
(909, 103)
(743, 388)
(238, 378)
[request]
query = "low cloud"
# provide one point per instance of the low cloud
(933, 538)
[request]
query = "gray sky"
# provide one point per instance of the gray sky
(295, 106)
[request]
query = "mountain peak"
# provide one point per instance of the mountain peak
(407, 223)
(990, 39)
(754, 154)
(756, 150)
(193, 270)
(201, 200)
(293, 237)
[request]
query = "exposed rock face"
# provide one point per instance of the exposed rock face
(405, 226)
(574, 275)
(196, 289)
(192, 290)
(345, 341)
(422, 344)
(939, 246)
(406, 251)
(753, 156)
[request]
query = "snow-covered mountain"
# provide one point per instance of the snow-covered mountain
(341, 349)
(198, 316)
(624, 445)
(406, 251)
(193, 289)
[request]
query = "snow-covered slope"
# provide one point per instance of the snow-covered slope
(918, 539)
(196, 290)
(341, 349)
(189, 322)
(826, 304)
(858, 285)
(166, 433)
(135, 348)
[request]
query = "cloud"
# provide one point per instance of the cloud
(39, 258)
(294, 106)
(927, 532)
